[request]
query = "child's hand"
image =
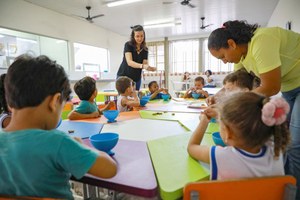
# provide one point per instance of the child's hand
(95, 114)
(211, 112)
(109, 105)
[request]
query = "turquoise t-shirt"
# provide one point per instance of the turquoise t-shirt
(86, 107)
(271, 48)
(40, 163)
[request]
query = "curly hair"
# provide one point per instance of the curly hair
(242, 113)
(239, 31)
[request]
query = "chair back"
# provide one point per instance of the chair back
(263, 188)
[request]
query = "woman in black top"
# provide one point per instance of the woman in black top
(135, 57)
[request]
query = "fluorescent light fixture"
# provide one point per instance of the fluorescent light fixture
(121, 2)
(60, 41)
(162, 23)
(1, 36)
(27, 40)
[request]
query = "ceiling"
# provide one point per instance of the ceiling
(119, 19)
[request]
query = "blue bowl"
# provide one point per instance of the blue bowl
(217, 139)
(111, 115)
(105, 142)
(195, 95)
(165, 97)
(143, 102)
(146, 97)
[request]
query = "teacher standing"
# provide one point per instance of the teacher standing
(135, 56)
(272, 54)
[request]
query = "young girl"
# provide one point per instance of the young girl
(186, 79)
(5, 116)
(209, 79)
(255, 131)
(128, 97)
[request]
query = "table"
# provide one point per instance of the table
(174, 105)
(109, 95)
(174, 168)
(135, 172)
(165, 140)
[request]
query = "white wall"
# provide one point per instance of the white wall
(286, 10)
(24, 16)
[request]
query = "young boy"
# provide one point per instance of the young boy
(155, 91)
(127, 98)
(36, 159)
(86, 91)
(198, 88)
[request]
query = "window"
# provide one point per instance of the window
(212, 63)
(184, 56)
(91, 60)
(156, 55)
(14, 43)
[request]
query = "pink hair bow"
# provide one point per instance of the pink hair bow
(274, 112)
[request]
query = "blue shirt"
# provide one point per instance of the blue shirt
(39, 163)
(86, 107)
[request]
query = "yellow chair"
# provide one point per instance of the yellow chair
(264, 188)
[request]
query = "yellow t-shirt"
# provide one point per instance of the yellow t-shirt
(274, 47)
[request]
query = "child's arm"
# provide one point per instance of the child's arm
(73, 115)
(195, 149)
(104, 166)
(167, 92)
(156, 93)
(188, 93)
(203, 92)
(107, 106)
(135, 102)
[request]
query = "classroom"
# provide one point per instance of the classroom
(157, 78)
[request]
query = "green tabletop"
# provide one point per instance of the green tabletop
(174, 168)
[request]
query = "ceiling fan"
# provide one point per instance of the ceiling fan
(184, 3)
(202, 24)
(90, 18)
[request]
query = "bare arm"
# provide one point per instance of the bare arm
(73, 115)
(104, 166)
(195, 149)
(135, 102)
(156, 93)
(270, 83)
(133, 64)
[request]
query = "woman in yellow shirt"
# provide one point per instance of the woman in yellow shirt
(272, 54)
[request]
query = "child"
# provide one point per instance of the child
(210, 83)
(198, 88)
(36, 159)
(255, 131)
(5, 116)
(86, 91)
(155, 91)
(238, 81)
(186, 79)
(127, 98)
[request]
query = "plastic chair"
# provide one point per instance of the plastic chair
(264, 188)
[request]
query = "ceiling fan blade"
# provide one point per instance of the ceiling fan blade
(191, 5)
(96, 16)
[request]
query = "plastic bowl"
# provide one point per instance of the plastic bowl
(111, 115)
(146, 97)
(195, 95)
(105, 141)
(217, 139)
(143, 102)
(165, 97)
